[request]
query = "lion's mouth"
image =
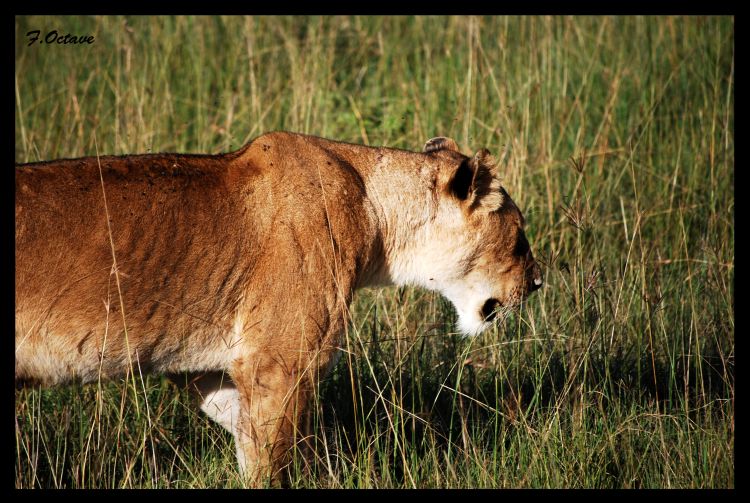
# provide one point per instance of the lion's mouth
(489, 309)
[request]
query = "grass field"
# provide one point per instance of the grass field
(617, 135)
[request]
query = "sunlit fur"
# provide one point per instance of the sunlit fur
(237, 270)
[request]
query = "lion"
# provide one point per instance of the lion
(237, 270)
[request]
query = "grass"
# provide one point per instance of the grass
(617, 135)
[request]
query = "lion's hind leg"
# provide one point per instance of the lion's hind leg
(218, 397)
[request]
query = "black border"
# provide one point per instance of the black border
(292, 7)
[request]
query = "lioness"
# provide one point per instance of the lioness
(238, 269)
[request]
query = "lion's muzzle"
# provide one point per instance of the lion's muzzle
(534, 280)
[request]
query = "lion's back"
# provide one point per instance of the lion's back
(193, 238)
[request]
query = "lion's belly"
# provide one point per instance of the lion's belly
(52, 352)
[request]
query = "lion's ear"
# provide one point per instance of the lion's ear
(440, 143)
(475, 182)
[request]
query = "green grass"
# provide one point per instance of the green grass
(617, 136)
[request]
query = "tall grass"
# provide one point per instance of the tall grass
(617, 137)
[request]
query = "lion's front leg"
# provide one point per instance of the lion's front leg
(273, 396)
(289, 339)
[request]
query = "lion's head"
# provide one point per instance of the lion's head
(473, 249)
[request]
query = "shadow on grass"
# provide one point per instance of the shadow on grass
(427, 404)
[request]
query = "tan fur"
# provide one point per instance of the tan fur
(237, 269)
